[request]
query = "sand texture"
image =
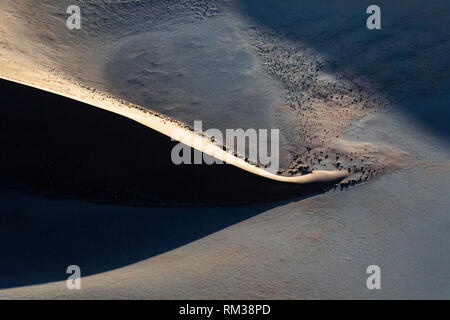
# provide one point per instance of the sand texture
(85, 169)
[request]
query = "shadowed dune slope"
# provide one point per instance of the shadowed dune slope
(60, 146)
(407, 59)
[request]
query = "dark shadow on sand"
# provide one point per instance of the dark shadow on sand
(407, 59)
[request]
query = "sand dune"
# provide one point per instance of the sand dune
(198, 60)
(61, 146)
(62, 76)
(86, 114)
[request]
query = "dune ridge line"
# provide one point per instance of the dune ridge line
(169, 127)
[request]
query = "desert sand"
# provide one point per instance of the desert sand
(368, 107)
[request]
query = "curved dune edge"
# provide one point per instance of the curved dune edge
(174, 129)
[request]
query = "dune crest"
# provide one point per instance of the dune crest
(168, 127)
